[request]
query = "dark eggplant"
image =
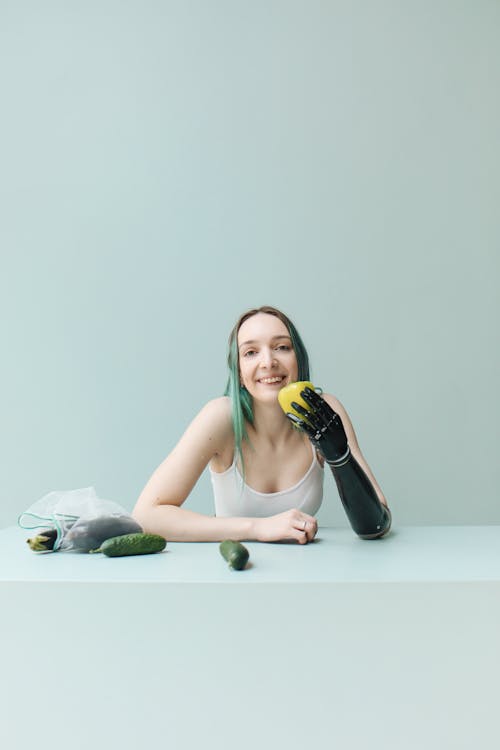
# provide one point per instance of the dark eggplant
(44, 541)
(90, 533)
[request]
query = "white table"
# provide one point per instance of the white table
(391, 643)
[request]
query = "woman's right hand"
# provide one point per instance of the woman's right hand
(291, 524)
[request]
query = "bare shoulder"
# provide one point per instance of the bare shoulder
(331, 399)
(215, 417)
(334, 402)
(221, 403)
(218, 409)
(176, 476)
(340, 409)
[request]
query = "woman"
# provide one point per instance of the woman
(266, 467)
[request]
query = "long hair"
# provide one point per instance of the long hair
(241, 400)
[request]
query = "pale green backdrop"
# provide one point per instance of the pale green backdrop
(165, 165)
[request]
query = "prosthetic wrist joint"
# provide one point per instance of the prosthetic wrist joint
(335, 463)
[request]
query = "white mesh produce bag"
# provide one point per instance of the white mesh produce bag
(63, 509)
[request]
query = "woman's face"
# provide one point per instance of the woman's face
(267, 359)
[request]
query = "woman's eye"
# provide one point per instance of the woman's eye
(281, 346)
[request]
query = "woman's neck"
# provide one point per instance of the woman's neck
(271, 426)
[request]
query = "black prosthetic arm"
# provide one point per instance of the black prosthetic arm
(369, 518)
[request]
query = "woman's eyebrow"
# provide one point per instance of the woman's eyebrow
(274, 338)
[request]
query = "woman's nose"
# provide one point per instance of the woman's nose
(267, 358)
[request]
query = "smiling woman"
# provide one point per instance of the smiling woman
(266, 466)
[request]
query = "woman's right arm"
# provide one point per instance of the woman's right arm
(159, 510)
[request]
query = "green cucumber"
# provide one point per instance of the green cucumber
(235, 553)
(132, 544)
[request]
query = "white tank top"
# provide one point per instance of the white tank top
(229, 499)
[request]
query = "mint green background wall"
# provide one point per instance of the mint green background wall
(166, 165)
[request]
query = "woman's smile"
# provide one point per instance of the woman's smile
(274, 380)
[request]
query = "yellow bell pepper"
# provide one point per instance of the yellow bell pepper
(291, 392)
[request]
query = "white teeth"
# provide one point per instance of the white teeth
(271, 380)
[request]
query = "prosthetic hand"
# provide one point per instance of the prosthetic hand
(368, 517)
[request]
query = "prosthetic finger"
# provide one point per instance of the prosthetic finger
(319, 405)
(329, 435)
(311, 397)
(310, 416)
(300, 424)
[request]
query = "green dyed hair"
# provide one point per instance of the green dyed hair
(241, 400)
